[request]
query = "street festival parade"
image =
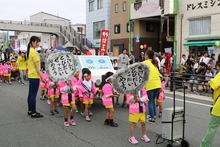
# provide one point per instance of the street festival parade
(110, 73)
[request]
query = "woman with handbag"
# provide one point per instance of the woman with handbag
(215, 111)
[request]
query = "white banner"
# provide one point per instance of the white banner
(131, 79)
(60, 65)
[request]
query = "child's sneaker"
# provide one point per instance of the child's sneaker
(51, 112)
(90, 113)
(160, 115)
(55, 111)
(88, 119)
(157, 107)
(58, 104)
(66, 124)
(42, 98)
(196, 90)
(77, 110)
(72, 122)
(133, 140)
(82, 112)
(106, 123)
(48, 102)
(113, 124)
(145, 138)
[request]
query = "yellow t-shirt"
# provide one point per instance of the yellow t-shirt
(33, 57)
(215, 84)
(154, 76)
(21, 63)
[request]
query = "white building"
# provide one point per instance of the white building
(24, 37)
(198, 26)
(79, 28)
(97, 18)
(43, 17)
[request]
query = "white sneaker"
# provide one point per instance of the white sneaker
(82, 112)
(90, 113)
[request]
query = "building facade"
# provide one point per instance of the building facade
(141, 22)
(97, 19)
(198, 25)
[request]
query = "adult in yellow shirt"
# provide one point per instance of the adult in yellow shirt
(215, 117)
(34, 75)
(153, 85)
(22, 66)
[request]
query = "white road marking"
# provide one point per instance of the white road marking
(190, 102)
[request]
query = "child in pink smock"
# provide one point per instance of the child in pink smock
(54, 94)
(75, 84)
(161, 95)
(137, 109)
(68, 100)
(87, 90)
(108, 94)
(1, 72)
(43, 86)
(7, 72)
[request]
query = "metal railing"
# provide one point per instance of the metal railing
(80, 40)
(180, 79)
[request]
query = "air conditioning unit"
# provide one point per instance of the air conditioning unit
(177, 123)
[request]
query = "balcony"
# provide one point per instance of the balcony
(142, 9)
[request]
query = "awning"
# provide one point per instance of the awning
(201, 43)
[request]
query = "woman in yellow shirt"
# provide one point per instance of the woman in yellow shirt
(153, 85)
(215, 117)
(34, 75)
(22, 66)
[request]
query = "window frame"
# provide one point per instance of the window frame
(99, 4)
(90, 10)
(132, 26)
(95, 36)
(119, 28)
(205, 30)
(116, 8)
(124, 6)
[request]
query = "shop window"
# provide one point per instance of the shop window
(117, 29)
(97, 28)
(200, 26)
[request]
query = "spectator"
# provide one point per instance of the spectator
(6, 55)
(142, 57)
(215, 117)
(115, 64)
(42, 58)
(131, 56)
(123, 59)
(183, 60)
(213, 59)
(201, 70)
(163, 63)
(208, 75)
(158, 60)
(204, 58)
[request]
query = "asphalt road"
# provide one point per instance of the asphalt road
(17, 129)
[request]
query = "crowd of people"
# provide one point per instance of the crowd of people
(78, 93)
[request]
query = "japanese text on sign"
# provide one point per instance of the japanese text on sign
(203, 5)
(61, 66)
(104, 42)
(132, 79)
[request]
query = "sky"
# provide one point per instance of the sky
(20, 10)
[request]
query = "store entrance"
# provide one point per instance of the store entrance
(198, 50)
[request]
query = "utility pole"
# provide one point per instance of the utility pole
(130, 25)
(176, 6)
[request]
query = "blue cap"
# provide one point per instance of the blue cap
(101, 61)
(89, 61)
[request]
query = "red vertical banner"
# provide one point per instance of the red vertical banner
(104, 42)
